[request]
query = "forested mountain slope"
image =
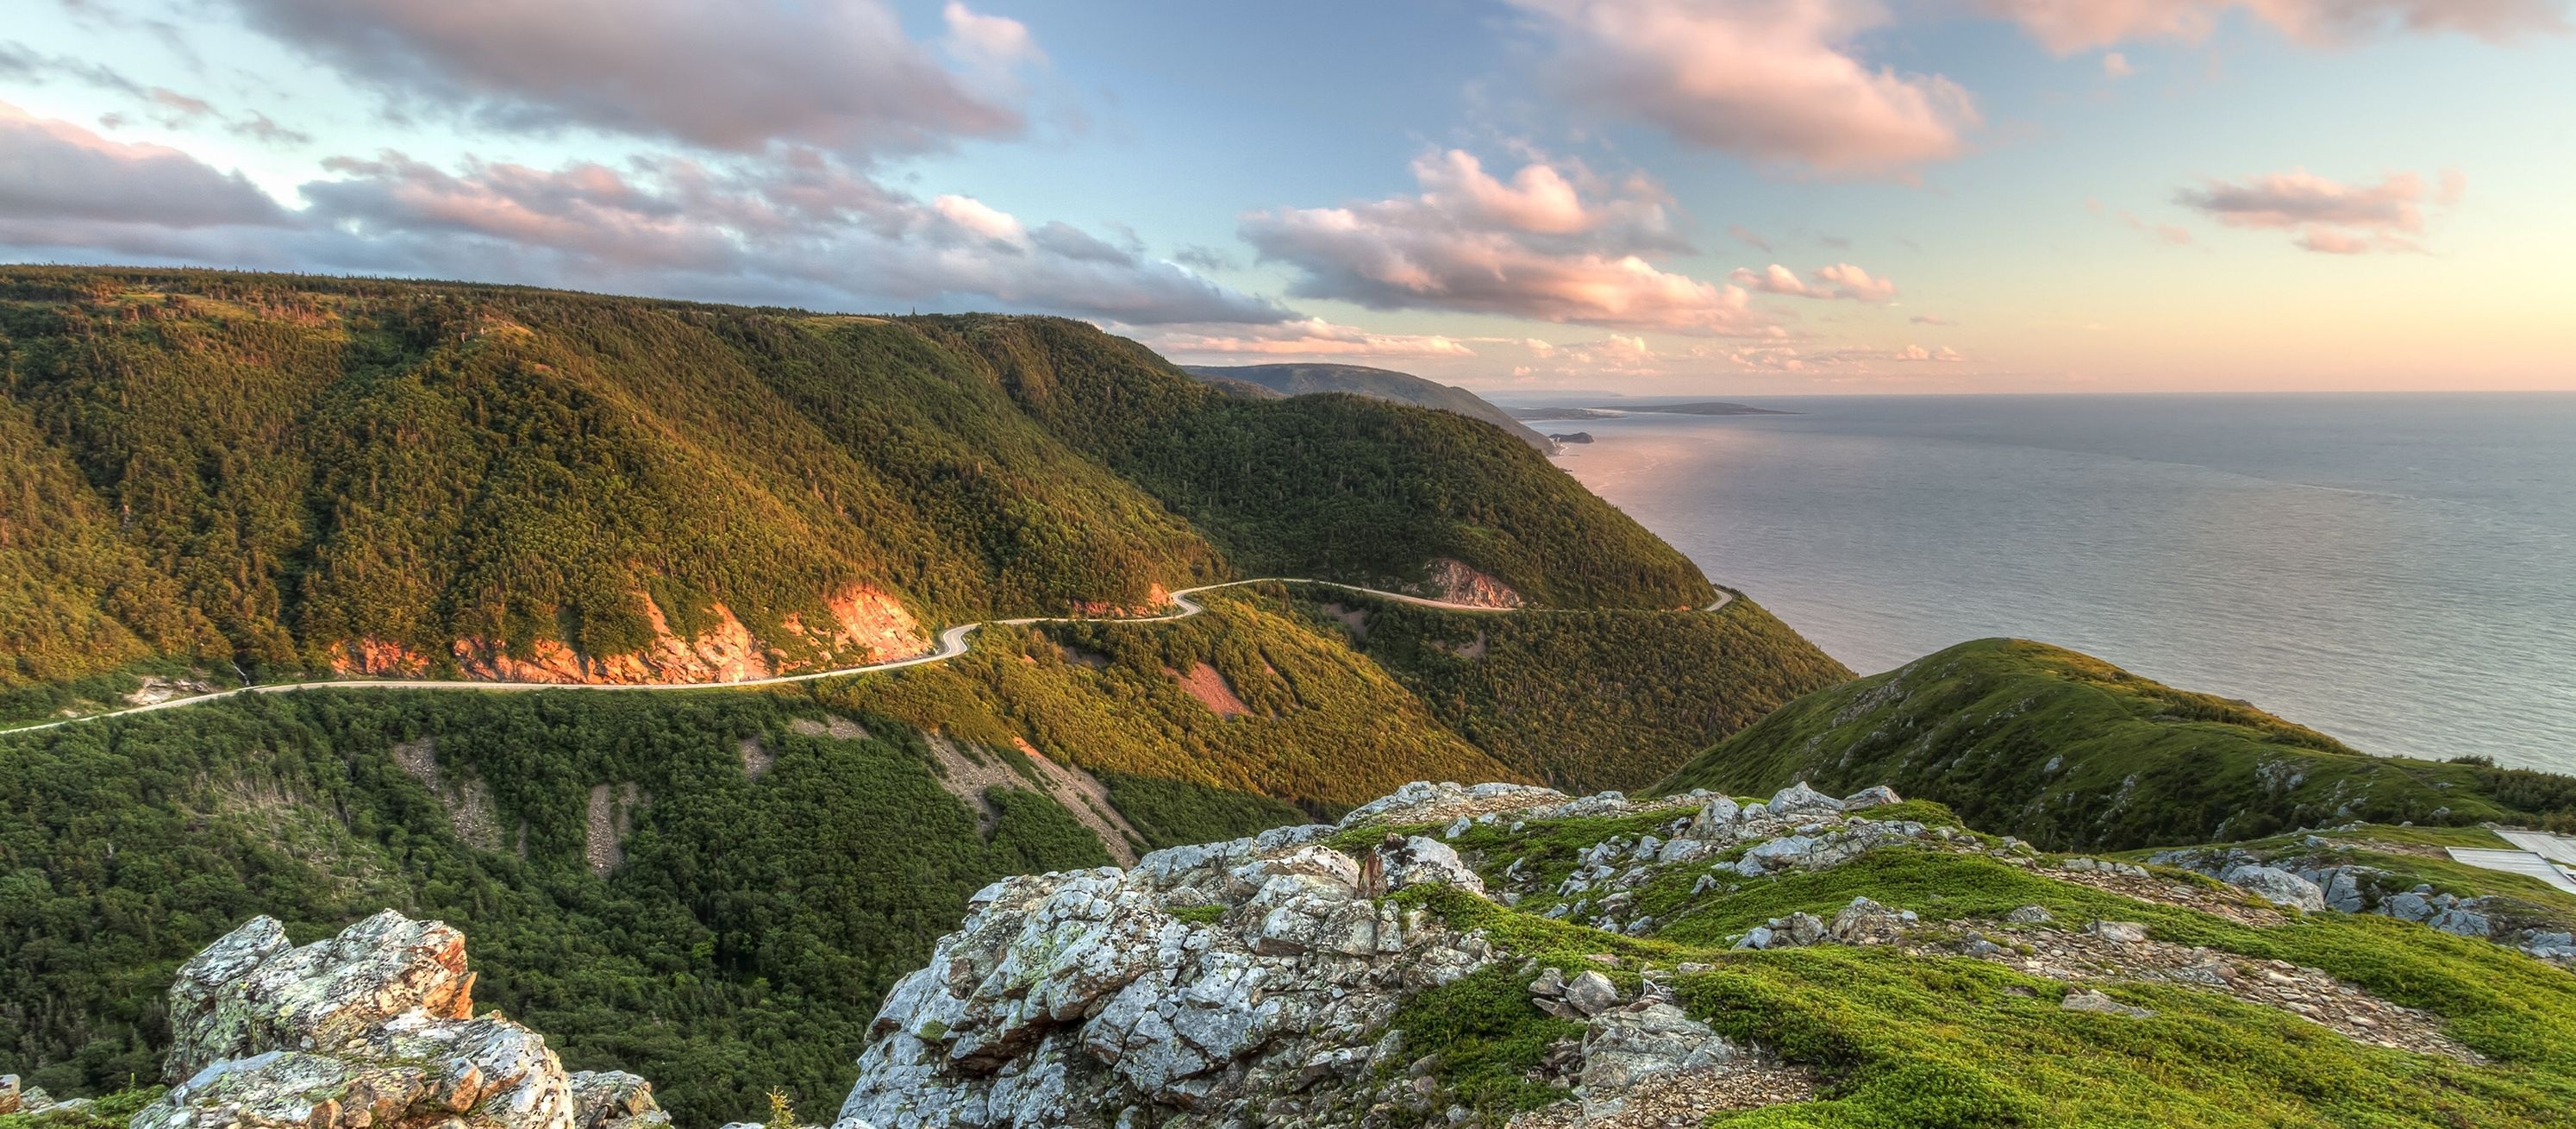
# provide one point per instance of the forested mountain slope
(1375, 383)
(714, 887)
(290, 475)
(2071, 752)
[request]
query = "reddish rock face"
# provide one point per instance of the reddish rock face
(863, 626)
(1454, 582)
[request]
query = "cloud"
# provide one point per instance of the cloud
(839, 75)
(2068, 26)
(2174, 235)
(1932, 319)
(794, 228)
(1745, 236)
(170, 108)
(1856, 284)
(995, 39)
(2330, 217)
(1841, 280)
(60, 184)
(1518, 248)
(1310, 337)
(2117, 65)
(1851, 359)
(1203, 257)
(1773, 80)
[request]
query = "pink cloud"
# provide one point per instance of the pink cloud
(1776, 81)
(792, 227)
(2331, 217)
(56, 178)
(1840, 280)
(1311, 337)
(837, 74)
(1777, 279)
(2068, 26)
(1856, 284)
(1523, 248)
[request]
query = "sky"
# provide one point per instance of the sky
(1646, 196)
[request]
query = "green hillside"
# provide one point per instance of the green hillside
(1376, 384)
(1586, 701)
(788, 850)
(2069, 751)
(741, 944)
(268, 472)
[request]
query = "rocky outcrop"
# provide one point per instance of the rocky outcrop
(1453, 582)
(2317, 875)
(1226, 981)
(1253, 982)
(371, 1029)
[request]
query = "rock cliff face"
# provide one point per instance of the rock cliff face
(1454, 582)
(371, 1029)
(862, 626)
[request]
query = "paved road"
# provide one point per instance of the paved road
(952, 643)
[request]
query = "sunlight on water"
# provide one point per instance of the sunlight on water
(2399, 571)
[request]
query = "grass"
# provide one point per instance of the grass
(1931, 1040)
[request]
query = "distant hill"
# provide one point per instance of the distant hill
(1375, 383)
(268, 476)
(2071, 752)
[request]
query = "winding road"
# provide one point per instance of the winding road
(952, 643)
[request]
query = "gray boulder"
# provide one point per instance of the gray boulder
(1799, 799)
(2277, 886)
(2121, 932)
(1865, 922)
(1638, 1045)
(1877, 795)
(1715, 821)
(2099, 1004)
(1591, 993)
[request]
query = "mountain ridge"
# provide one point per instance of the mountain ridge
(1376, 383)
(298, 474)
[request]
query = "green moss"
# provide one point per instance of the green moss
(1208, 914)
(1486, 1039)
(1905, 1040)
(107, 1111)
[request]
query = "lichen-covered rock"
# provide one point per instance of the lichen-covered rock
(1640, 1043)
(249, 992)
(613, 1099)
(1798, 799)
(1065, 999)
(2278, 886)
(371, 1029)
(1877, 795)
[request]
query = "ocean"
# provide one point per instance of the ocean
(2396, 570)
